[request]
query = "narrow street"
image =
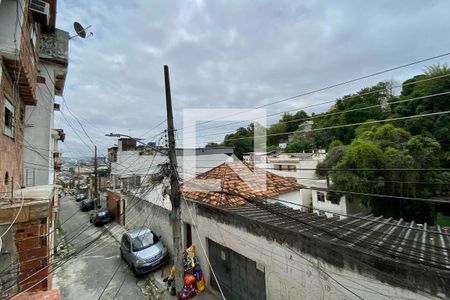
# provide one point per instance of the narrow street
(87, 274)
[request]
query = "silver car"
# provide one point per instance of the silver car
(143, 250)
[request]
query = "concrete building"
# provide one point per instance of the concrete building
(41, 154)
(18, 74)
(313, 195)
(28, 243)
(298, 165)
(259, 250)
(28, 41)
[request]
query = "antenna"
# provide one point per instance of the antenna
(80, 31)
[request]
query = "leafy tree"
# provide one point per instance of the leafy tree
(334, 144)
(394, 148)
(335, 155)
(241, 140)
(212, 145)
(302, 144)
(292, 122)
(348, 110)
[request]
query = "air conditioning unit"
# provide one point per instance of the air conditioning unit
(41, 11)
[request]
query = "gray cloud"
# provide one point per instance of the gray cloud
(235, 54)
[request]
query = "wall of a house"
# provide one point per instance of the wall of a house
(304, 169)
(9, 27)
(11, 148)
(327, 205)
(293, 199)
(38, 159)
(289, 273)
(8, 258)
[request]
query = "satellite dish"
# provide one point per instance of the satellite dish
(80, 31)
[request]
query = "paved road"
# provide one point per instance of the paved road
(86, 275)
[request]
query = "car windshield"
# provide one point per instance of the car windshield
(144, 240)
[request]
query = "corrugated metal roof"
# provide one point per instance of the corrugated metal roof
(383, 237)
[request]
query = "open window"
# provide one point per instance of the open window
(8, 118)
(320, 197)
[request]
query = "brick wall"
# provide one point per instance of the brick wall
(33, 251)
(113, 204)
(11, 149)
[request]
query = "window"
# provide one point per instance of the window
(320, 197)
(8, 119)
(277, 167)
(33, 35)
(131, 182)
(6, 178)
(292, 168)
(126, 243)
(144, 241)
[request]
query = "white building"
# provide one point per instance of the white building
(301, 166)
(313, 195)
(41, 154)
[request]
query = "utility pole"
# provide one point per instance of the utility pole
(97, 200)
(174, 189)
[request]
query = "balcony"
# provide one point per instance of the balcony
(54, 48)
(58, 134)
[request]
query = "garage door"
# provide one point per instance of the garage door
(239, 277)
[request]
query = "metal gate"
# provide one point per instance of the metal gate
(239, 277)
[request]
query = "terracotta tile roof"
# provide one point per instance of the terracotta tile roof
(230, 185)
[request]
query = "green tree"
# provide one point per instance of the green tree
(241, 140)
(212, 145)
(304, 143)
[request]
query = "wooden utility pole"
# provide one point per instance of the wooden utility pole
(97, 200)
(174, 189)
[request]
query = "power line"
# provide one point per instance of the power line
(340, 112)
(333, 101)
(343, 126)
(336, 85)
(81, 231)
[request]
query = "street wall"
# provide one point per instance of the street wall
(290, 273)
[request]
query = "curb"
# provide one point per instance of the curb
(111, 233)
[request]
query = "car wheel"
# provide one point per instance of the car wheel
(121, 255)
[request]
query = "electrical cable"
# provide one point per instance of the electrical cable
(81, 231)
(339, 112)
(341, 126)
(17, 215)
(336, 85)
(333, 101)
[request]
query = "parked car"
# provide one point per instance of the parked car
(143, 250)
(101, 216)
(87, 204)
(80, 196)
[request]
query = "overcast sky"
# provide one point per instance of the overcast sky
(232, 54)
